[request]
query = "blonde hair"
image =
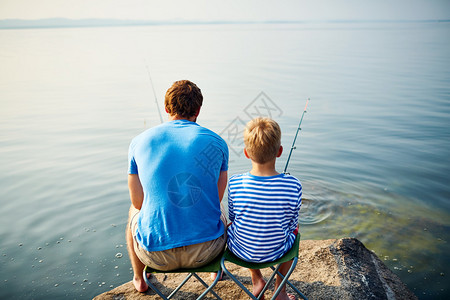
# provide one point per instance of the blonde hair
(262, 138)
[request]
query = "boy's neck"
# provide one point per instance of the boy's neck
(265, 170)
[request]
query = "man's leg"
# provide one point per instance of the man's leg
(136, 264)
(224, 220)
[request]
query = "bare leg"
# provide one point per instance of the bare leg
(214, 275)
(258, 282)
(136, 264)
(283, 270)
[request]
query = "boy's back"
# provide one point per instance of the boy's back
(264, 211)
(263, 205)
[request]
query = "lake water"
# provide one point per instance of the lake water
(373, 152)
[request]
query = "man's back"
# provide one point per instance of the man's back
(178, 163)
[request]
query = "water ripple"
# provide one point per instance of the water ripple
(314, 212)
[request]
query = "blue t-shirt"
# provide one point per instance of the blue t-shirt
(264, 212)
(178, 164)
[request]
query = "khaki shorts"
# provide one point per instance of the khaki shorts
(192, 256)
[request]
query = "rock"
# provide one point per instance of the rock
(327, 269)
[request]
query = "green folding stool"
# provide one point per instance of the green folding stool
(213, 266)
(290, 255)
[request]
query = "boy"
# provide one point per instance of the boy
(263, 205)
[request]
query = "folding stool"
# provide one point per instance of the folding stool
(213, 266)
(292, 254)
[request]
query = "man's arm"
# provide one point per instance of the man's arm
(222, 183)
(136, 191)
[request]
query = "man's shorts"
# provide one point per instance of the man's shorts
(192, 256)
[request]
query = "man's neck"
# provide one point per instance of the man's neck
(176, 117)
(265, 169)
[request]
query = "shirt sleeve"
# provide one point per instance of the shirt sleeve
(224, 166)
(132, 166)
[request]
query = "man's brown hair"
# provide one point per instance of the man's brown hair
(183, 99)
(262, 138)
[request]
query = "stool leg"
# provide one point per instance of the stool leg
(269, 281)
(295, 288)
(208, 288)
(286, 281)
(180, 285)
(222, 263)
(154, 288)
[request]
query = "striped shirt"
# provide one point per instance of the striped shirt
(264, 214)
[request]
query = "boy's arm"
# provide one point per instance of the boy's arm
(295, 225)
(136, 191)
(222, 183)
(230, 208)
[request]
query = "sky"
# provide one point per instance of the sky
(232, 10)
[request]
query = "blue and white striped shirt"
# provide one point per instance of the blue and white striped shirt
(264, 212)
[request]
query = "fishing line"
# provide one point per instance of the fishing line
(154, 93)
(295, 138)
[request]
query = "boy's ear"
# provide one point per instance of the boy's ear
(246, 154)
(280, 151)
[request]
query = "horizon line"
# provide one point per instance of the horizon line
(60, 22)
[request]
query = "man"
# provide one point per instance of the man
(177, 178)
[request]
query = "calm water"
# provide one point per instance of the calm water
(372, 155)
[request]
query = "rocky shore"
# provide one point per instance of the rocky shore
(327, 269)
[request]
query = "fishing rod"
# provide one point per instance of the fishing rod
(154, 93)
(295, 138)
